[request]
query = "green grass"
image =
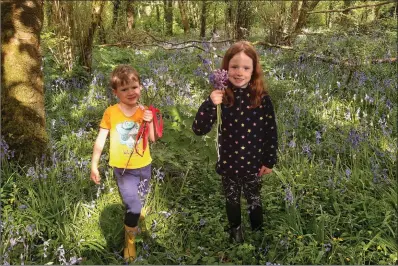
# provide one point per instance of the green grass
(331, 198)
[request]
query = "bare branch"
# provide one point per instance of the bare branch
(167, 45)
(348, 62)
(349, 8)
(274, 45)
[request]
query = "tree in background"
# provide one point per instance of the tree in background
(86, 47)
(243, 20)
(184, 15)
(203, 19)
(229, 18)
(130, 14)
(22, 94)
(285, 20)
(60, 22)
(168, 16)
(116, 9)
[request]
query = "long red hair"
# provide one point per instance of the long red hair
(257, 87)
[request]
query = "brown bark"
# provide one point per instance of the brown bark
(203, 19)
(242, 26)
(214, 30)
(130, 14)
(22, 94)
(276, 28)
(294, 14)
(184, 17)
(168, 15)
(116, 9)
(229, 18)
(62, 23)
(87, 47)
(306, 7)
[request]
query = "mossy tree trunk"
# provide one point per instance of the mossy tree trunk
(184, 16)
(229, 19)
(203, 19)
(86, 50)
(130, 10)
(243, 20)
(306, 7)
(22, 94)
(116, 8)
(168, 16)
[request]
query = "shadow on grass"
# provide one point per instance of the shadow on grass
(111, 224)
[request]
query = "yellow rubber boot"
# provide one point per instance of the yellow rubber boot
(130, 252)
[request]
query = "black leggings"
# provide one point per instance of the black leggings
(251, 186)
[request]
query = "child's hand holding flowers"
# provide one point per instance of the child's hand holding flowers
(219, 80)
(216, 96)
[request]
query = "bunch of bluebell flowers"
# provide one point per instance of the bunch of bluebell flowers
(219, 80)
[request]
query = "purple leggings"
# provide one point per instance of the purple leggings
(133, 188)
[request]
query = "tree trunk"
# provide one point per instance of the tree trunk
(48, 13)
(203, 19)
(116, 8)
(243, 17)
(157, 13)
(22, 94)
(184, 17)
(276, 27)
(329, 16)
(63, 26)
(214, 30)
(307, 6)
(347, 4)
(86, 51)
(168, 15)
(130, 14)
(294, 14)
(229, 19)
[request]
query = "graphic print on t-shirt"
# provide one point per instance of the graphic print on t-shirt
(127, 133)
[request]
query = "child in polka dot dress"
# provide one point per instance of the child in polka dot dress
(247, 137)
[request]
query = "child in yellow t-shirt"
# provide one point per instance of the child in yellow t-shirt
(130, 162)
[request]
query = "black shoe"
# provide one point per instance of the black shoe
(236, 234)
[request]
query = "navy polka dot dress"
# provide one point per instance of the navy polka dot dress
(248, 136)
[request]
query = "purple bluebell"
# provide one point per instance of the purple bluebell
(318, 137)
(348, 172)
(327, 247)
(219, 78)
(289, 196)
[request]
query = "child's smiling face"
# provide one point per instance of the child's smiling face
(240, 70)
(129, 94)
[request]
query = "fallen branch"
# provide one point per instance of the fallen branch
(384, 60)
(347, 62)
(274, 45)
(167, 45)
(350, 8)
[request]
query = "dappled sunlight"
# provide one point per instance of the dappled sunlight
(329, 200)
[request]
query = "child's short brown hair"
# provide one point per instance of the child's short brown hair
(123, 75)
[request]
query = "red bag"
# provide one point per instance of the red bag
(143, 132)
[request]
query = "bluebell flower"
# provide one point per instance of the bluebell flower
(219, 78)
(327, 247)
(348, 172)
(318, 137)
(289, 195)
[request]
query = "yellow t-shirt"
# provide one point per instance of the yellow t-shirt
(123, 131)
